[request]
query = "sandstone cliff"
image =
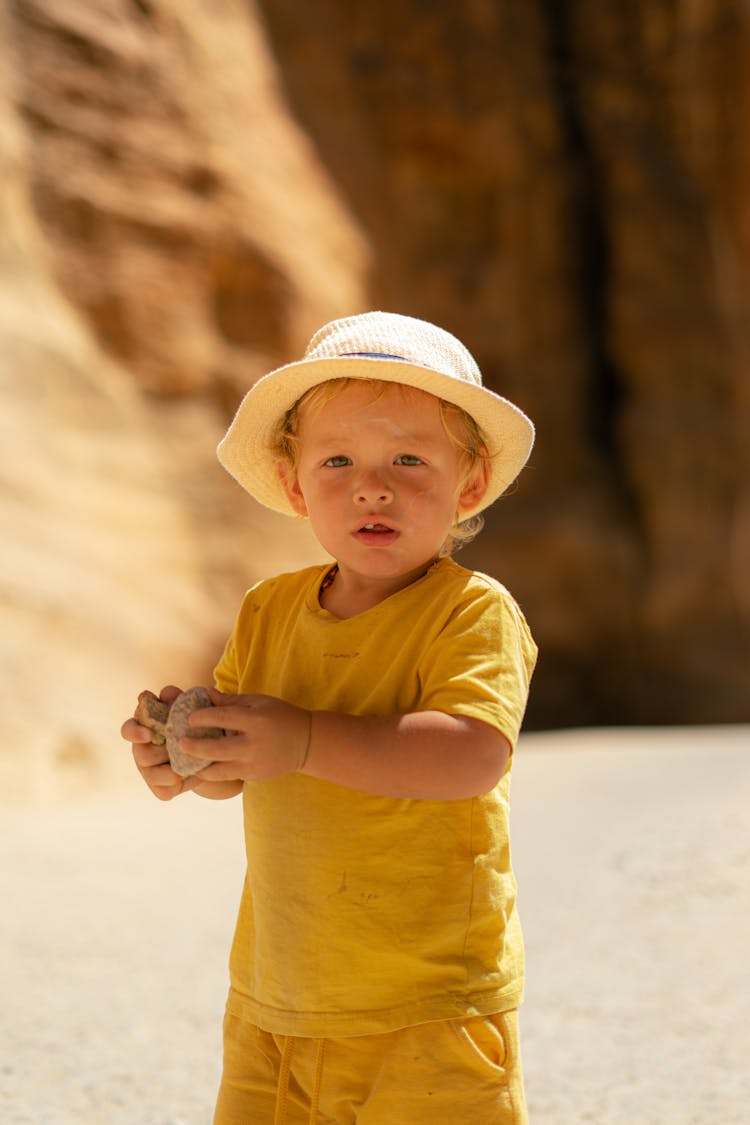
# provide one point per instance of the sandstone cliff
(564, 187)
(189, 189)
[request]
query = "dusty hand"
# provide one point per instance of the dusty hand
(266, 737)
(152, 761)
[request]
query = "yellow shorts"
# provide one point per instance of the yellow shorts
(447, 1073)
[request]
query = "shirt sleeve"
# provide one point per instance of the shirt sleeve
(228, 672)
(226, 675)
(481, 663)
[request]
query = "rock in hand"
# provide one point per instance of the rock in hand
(169, 722)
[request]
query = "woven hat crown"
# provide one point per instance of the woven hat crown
(380, 335)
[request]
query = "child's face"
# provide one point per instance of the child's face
(381, 481)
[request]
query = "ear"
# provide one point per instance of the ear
(475, 486)
(290, 484)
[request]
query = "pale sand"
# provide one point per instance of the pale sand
(632, 850)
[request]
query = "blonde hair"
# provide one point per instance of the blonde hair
(460, 427)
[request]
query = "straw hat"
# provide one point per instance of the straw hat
(374, 345)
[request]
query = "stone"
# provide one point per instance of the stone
(168, 723)
(178, 725)
(153, 713)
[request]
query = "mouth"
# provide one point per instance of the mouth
(375, 534)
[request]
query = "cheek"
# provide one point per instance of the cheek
(430, 502)
(322, 496)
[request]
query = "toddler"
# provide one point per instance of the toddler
(372, 706)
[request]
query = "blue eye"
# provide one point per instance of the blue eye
(337, 462)
(408, 459)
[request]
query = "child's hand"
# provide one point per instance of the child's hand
(266, 738)
(153, 761)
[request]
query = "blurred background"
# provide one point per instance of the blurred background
(189, 189)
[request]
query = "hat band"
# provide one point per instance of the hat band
(371, 355)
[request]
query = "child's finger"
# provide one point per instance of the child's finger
(169, 693)
(148, 755)
(211, 748)
(132, 731)
(218, 771)
(219, 697)
(167, 792)
(226, 716)
(162, 774)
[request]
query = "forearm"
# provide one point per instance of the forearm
(425, 755)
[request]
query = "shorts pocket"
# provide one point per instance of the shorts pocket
(483, 1039)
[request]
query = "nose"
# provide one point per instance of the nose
(372, 489)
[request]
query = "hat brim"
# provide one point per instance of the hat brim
(246, 449)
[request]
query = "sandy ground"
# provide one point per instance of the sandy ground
(632, 850)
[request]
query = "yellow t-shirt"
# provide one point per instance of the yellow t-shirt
(362, 914)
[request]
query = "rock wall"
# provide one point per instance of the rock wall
(563, 187)
(149, 266)
(190, 189)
